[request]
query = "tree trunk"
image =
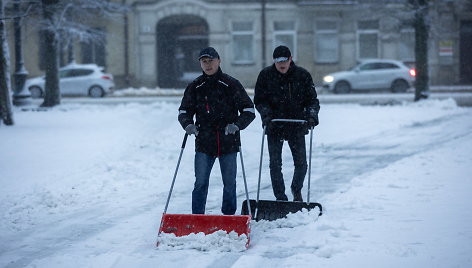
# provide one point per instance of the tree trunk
(421, 50)
(52, 95)
(6, 114)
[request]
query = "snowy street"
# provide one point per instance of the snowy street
(85, 184)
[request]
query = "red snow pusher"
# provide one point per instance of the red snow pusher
(182, 224)
(185, 224)
(273, 210)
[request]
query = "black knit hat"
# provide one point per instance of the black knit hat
(281, 53)
(208, 52)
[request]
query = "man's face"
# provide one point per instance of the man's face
(282, 66)
(209, 65)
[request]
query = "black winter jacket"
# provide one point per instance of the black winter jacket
(286, 96)
(216, 101)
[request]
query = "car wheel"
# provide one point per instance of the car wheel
(36, 92)
(342, 87)
(399, 86)
(96, 92)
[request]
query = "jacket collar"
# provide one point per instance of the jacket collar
(214, 76)
(290, 71)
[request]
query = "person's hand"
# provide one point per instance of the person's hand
(312, 122)
(191, 129)
(231, 129)
(266, 121)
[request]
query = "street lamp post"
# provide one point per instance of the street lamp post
(21, 95)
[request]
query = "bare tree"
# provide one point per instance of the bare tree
(71, 19)
(420, 8)
(6, 114)
(52, 95)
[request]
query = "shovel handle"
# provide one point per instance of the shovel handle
(309, 169)
(289, 120)
(245, 181)
(184, 141)
(175, 173)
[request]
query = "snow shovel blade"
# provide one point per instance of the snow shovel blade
(272, 210)
(185, 224)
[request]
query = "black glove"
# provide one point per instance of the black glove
(312, 122)
(231, 129)
(191, 129)
(266, 120)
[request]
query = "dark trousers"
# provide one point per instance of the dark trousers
(203, 166)
(297, 147)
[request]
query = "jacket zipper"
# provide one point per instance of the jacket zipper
(289, 91)
(206, 105)
(218, 146)
(218, 143)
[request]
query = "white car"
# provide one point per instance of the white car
(76, 79)
(372, 74)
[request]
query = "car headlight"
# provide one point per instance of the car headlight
(328, 79)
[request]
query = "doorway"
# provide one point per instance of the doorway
(465, 57)
(179, 40)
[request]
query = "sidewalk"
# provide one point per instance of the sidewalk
(461, 94)
(143, 91)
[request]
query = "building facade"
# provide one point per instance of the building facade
(155, 44)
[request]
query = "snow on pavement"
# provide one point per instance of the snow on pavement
(85, 186)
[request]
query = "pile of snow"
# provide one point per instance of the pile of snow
(219, 241)
(157, 91)
(232, 242)
(144, 91)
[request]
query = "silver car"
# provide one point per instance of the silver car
(75, 80)
(370, 75)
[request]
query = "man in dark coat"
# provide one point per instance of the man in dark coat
(286, 91)
(221, 108)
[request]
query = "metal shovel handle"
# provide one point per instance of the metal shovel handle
(245, 181)
(175, 173)
(289, 120)
(309, 166)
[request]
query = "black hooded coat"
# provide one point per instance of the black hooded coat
(216, 101)
(286, 96)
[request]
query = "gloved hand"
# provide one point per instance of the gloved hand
(266, 120)
(312, 122)
(191, 129)
(231, 129)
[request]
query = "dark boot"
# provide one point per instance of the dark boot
(297, 195)
(282, 198)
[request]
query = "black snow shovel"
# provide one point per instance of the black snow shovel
(272, 210)
(185, 224)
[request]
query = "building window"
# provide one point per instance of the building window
(243, 42)
(407, 45)
(42, 50)
(284, 34)
(93, 51)
(368, 39)
(326, 42)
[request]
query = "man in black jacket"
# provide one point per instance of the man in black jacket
(221, 108)
(286, 91)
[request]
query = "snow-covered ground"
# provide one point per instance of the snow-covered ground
(84, 185)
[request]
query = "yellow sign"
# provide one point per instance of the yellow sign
(446, 48)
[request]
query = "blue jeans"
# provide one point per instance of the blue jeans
(203, 166)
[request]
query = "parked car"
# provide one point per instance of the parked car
(372, 74)
(76, 79)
